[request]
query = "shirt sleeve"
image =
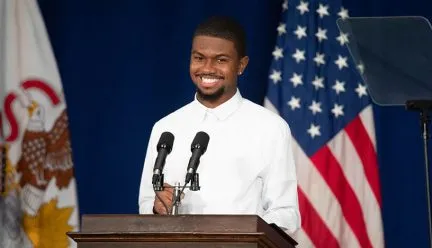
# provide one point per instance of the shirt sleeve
(146, 193)
(280, 197)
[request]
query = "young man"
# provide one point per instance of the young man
(248, 167)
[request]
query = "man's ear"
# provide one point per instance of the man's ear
(243, 63)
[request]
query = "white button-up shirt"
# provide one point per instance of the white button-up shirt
(248, 167)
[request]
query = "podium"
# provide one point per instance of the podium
(191, 231)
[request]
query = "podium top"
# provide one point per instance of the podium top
(393, 55)
(171, 223)
(197, 228)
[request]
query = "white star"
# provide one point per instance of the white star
(342, 38)
(337, 110)
(300, 32)
(321, 34)
(339, 87)
(341, 62)
(323, 10)
(361, 90)
(314, 130)
(294, 103)
(343, 13)
(296, 79)
(319, 59)
(360, 67)
(303, 7)
(277, 53)
(315, 107)
(318, 82)
(285, 5)
(281, 29)
(299, 55)
(276, 76)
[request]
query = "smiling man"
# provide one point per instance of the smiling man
(248, 167)
(216, 60)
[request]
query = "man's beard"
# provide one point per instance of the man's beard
(211, 97)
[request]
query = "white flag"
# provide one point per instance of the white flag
(39, 204)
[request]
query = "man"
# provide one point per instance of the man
(248, 167)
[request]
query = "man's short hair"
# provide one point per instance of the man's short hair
(226, 28)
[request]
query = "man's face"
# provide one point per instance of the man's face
(214, 67)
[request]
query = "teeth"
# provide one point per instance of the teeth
(209, 80)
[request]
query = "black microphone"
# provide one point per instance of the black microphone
(164, 148)
(198, 148)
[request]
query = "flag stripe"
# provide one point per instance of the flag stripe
(324, 203)
(331, 170)
(364, 147)
(302, 239)
(345, 153)
(367, 118)
(315, 227)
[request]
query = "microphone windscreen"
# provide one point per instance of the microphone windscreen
(166, 141)
(200, 141)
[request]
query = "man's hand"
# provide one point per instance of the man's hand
(163, 200)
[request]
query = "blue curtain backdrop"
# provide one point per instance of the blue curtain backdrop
(124, 65)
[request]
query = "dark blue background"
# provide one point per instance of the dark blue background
(124, 64)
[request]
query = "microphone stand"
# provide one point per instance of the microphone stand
(195, 186)
(424, 106)
(176, 194)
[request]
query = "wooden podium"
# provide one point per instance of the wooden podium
(186, 231)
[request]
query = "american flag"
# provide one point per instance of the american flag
(315, 86)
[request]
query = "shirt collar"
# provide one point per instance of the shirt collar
(222, 111)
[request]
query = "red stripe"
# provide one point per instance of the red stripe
(314, 226)
(332, 173)
(365, 149)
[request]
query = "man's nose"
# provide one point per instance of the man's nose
(208, 66)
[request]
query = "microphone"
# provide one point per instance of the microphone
(164, 148)
(198, 148)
